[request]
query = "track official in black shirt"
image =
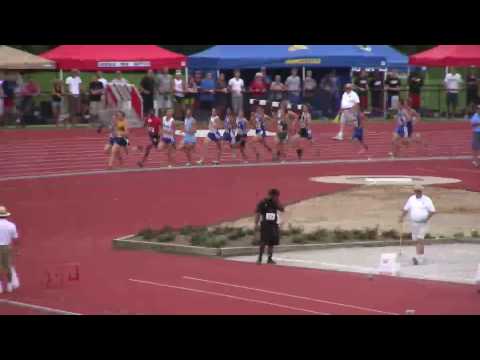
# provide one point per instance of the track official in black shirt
(266, 220)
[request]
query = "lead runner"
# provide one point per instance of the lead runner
(267, 216)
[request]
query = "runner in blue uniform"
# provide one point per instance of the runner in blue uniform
(213, 136)
(403, 135)
(259, 121)
(189, 140)
(358, 130)
(230, 126)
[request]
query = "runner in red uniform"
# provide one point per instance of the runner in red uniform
(152, 123)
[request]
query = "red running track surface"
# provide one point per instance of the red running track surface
(74, 219)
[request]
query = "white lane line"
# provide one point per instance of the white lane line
(227, 166)
(37, 307)
(328, 265)
(227, 296)
(292, 296)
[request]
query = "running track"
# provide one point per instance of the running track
(65, 219)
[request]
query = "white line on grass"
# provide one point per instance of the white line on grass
(227, 296)
(228, 166)
(292, 296)
(37, 307)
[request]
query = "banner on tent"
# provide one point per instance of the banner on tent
(303, 61)
(124, 64)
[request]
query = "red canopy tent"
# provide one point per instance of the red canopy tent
(114, 57)
(448, 55)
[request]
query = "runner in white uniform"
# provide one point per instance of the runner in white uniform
(168, 136)
(213, 136)
(259, 122)
(285, 119)
(304, 132)
(241, 134)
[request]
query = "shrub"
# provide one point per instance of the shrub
(341, 235)
(199, 239)
(249, 232)
(299, 239)
(292, 230)
(459, 235)
(475, 234)
(390, 234)
(237, 234)
(429, 237)
(371, 233)
(359, 235)
(255, 242)
(165, 230)
(147, 234)
(188, 230)
(321, 234)
(406, 236)
(166, 237)
(222, 230)
(215, 242)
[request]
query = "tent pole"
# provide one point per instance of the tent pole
(385, 95)
(60, 74)
(304, 73)
(186, 75)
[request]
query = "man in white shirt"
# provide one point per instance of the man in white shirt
(452, 83)
(102, 79)
(294, 87)
(119, 79)
(74, 90)
(349, 109)
(8, 233)
(236, 86)
(420, 209)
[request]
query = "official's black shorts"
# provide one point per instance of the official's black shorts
(270, 235)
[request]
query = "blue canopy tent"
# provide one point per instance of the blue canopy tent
(395, 59)
(282, 56)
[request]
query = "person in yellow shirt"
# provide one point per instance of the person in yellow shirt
(118, 139)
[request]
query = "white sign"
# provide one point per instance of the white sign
(124, 64)
(389, 264)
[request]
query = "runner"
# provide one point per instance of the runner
(152, 123)
(241, 134)
(404, 132)
(118, 139)
(285, 118)
(475, 121)
(168, 136)
(358, 132)
(259, 123)
(190, 140)
(213, 136)
(304, 131)
(230, 126)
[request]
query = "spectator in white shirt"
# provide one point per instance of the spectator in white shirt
(294, 87)
(102, 79)
(119, 79)
(348, 110)
(8, 233)
(74, 90)
(236, 86)
(453, 82)
(420, 209)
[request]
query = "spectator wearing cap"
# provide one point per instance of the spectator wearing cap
(277, 89)
(258, 87)
(453, 82)
(476, 137)
(294, 87)
(8, 233)
(74, 91)
(163, 93)
(236, 86)
(309, 88)
(420, 209)
(415, 84)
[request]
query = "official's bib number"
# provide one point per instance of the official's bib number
(270, 216)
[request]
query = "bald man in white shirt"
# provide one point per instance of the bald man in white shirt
(420, 209)
(349, 108)
(8, 233)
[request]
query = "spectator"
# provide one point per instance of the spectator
(57, 101)
(207, 92)
(1, 101)
(309, 88)
(415, 84)
(8, 234)
(221, 95)
(472, 91)
(392, 86)
(452, 82)
(179, 89)
(277, 89)
(376, 87)
(197, 80)
(361, 86)
(236, 86)
(9, 87)
(258, 87)
(476, 137)
(164, 91)
(294, 86)
(267, 79)
(147, 88)
(30, 90)
(191, 93)
(119, 79)
(101, 78)
(74, 90)
(95, 92)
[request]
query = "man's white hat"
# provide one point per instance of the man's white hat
(418, 187)
(259, 74)
(3, 212)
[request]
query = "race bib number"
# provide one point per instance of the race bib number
(270, 216)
